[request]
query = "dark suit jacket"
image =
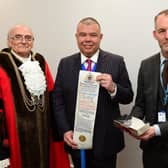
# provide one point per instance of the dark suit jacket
(107, 138)
(146, 104)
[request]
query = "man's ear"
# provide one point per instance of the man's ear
(155, 34)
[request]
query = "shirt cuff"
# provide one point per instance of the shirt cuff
(114, 93)
(157, 130)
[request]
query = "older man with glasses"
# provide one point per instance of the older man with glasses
(25, 86)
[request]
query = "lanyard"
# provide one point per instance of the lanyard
(165, 98)
(165, 90)
(82, 151)
(93, 69)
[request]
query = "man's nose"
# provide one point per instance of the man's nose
(23, 40)
(87, 38)
(167, 33)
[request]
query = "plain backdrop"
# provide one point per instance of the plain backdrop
(127, 26)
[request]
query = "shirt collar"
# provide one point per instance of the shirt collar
(94, 58)
(22, 59)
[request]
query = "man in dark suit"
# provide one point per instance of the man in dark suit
(115, 88)
(152, 102)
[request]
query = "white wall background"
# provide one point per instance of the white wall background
(126, 24)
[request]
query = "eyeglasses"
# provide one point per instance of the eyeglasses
(18, 37)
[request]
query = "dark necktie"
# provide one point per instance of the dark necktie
(165, 73)
(89, 67)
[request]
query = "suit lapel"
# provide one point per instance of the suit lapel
(77, 62)
(100, 61)
(76, 68)
(156, 78)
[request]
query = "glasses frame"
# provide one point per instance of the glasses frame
(19, 38)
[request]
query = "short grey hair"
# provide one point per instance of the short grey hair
(165, 12)
(89, 21)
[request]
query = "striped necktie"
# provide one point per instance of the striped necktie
(89, 62)
(165, 73)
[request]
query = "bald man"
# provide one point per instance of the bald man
(25, 86)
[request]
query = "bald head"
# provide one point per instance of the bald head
(20, 40)
(12, 31)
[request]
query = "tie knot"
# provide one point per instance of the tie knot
(88, 60)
